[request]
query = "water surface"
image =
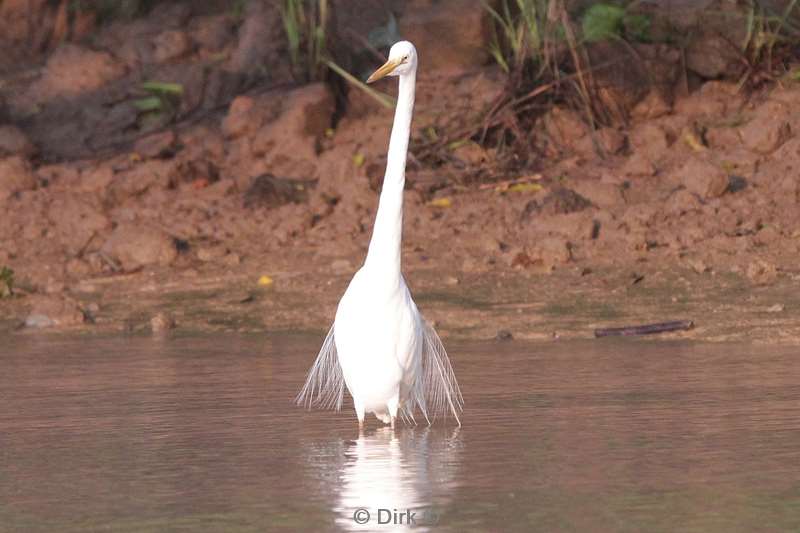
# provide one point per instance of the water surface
(200, 434)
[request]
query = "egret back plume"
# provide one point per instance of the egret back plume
(324, 385)
(436, 390)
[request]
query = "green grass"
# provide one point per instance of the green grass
(6, 282)
(305, 23)
(305, 26)
(160, 103)
(767, 29)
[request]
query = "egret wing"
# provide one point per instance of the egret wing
(436, 390)
(324, 385)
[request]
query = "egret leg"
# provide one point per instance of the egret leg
(360, 413)
(393, 405)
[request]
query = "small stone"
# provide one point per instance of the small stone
(611, 140)
(170, 44)
(35, 320)
(504, 335)
(162, 322)
(761, 272)
(777, 308)
(155, 145)
(15, 176)
(768, 130)
(14, 142)
(232, 259)
(95, 179)
(240, 119)
(54, 310)
(703, 178)
(652, 106)
(210, 253)
(649, 140)
(698, 265)
(638, 165)
(341, 266)
(134, 247)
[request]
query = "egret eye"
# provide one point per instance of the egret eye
(405, 58)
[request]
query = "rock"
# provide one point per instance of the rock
(241, 120)
(612, 141)
(698, 265)
(153, 174)
(713, 98)
(449, 35)
(550, 252)
(258, 35)
(162, 322)
(232, 259)
(768, 130)
(341, 266)
(73, 69)
(211, 32)
(761, 272)
(777, 308)
(135, 247)
(712, 56)
(96, 178)
(504, 335)
(650, 140)
(171, 44)
(559, 201)
(75, 221)
(654, 105)
(156, 145)
(564, 127)
(14, 142)
(638, 165)
(15, 176)
(682, 201)
(288, 141)
(53, 310)
(599, 193)
(470, 153)
(617, 90)
(269, 191)
(703, 178)
(36, 320)
(211, 253)
(78, 268)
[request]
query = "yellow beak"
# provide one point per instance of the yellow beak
(384, 70)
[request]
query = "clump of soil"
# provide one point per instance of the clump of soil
(114, 214)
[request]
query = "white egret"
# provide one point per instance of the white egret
(380, 346)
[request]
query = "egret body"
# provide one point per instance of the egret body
(380, 347)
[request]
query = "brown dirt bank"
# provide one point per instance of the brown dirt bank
(689, 209)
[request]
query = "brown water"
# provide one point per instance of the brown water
(200, 434)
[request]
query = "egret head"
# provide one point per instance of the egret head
(402, 60)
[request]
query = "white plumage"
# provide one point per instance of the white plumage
(380, 347)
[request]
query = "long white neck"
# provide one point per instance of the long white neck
(384, 248)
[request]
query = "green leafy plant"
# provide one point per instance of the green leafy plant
(161, 102)
(6, 282)
(523, 33)
(611, 21)
(305, 22)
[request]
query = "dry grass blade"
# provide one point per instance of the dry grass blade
(383, 99)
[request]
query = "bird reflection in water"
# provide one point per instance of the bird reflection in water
(390, 478)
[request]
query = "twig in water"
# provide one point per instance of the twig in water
(646, 329)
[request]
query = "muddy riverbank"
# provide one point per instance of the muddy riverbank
(248, 204)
